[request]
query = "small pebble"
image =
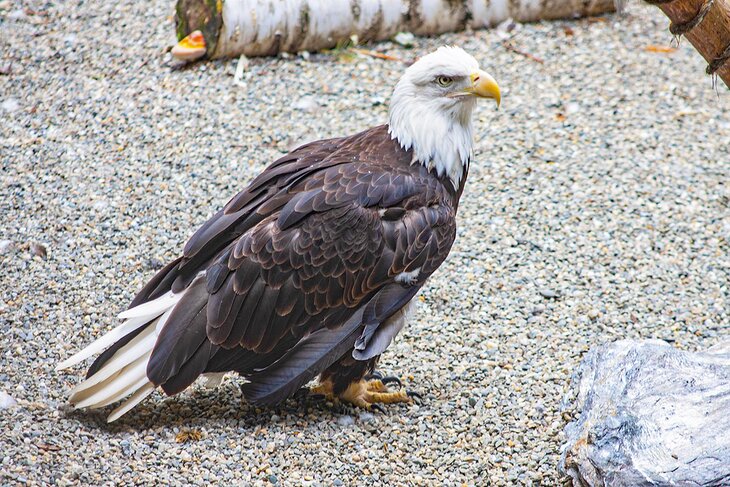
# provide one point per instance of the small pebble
(367, 417)
(7, 401)
(38, 250)
(306, 104)
(549, 293)
(345, 420)
(10, 105)
(405, 39)
(6, 246)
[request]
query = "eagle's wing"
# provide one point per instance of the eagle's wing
(305, 247)
(312, 261)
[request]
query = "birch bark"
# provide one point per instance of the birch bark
(267, 27)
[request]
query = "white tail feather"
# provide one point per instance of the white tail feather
(136, 398)
(102, 342)
(142, 343)
(123, 393)
(152, 308)
(125, 373)
(96, 396)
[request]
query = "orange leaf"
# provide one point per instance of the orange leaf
(661, 49)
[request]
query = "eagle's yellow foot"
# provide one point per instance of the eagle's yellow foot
(365, 394)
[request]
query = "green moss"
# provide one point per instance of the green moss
(203, 15)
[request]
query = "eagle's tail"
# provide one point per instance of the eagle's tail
(121, 371)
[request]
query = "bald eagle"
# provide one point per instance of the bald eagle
(311, 269)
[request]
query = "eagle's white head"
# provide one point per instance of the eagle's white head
(431, 108)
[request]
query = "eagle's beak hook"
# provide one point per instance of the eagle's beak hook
(484, 86)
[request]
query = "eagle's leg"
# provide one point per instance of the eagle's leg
(365, 394)
(355, 382)
(362, 393)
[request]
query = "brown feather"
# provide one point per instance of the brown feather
(301, 251)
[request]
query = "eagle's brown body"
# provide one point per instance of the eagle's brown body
(301, 268)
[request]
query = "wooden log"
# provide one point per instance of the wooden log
(706, 25)
(267, 27)
(648, 414)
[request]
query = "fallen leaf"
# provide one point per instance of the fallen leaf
(684, 113)
(375, 54)
(512, 48)
(29, 11)
(188, 435)
(39, 250)
(47, 446)
(660, 49)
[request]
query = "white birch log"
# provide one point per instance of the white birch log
(267, 27)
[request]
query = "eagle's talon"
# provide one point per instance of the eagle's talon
(323, 390)
(373, 375)
(391, 379)
(385, 379)
(414, 394)
(377, 407)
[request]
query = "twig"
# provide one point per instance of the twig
(508, 45)
(379, 55)
(660, 49)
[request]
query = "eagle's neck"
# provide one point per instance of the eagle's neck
(441, 137)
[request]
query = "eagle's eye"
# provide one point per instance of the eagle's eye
(444, 81)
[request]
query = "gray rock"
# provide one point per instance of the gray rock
(367, 417)
(6, 246)
(38, 250)
(7, 401)
(17, 14)
(10, 105)
(306, 104)
(649, 414)
(405, 39)
(549, 293)
(572, 108)
(345, 420)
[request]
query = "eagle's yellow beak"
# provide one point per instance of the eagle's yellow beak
(484, 86)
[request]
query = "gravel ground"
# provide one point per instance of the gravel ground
(596, 209)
